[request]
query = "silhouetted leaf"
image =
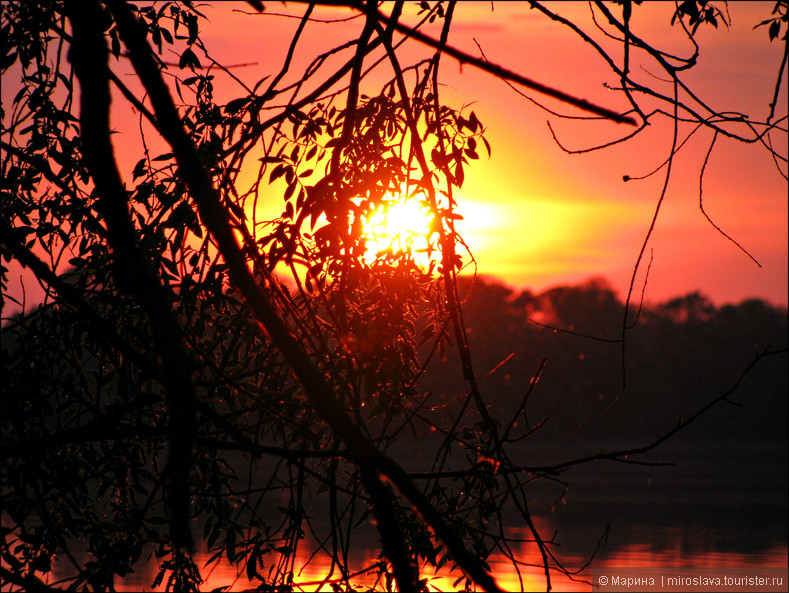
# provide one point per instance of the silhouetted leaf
(189, 60)
(775, 29)
(236, 105)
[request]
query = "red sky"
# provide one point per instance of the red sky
(537, 217)
(561, 218)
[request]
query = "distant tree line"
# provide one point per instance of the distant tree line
(681, 353)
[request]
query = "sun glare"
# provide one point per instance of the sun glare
(399, 226)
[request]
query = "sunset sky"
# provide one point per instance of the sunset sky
(554, 218)
(208, 366)
(535, 216)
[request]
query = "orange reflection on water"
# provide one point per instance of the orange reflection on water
(313, 576)
(531, 576)
(312, 570)
(642, 555)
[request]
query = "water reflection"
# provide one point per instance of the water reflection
(312, 571)
(706, 512)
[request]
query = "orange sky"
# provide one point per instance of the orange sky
(561, 218)
(535, 216)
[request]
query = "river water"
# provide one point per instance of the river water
(647, 554)
(719, 507)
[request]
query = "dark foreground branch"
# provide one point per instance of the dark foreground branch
(317, 389)
(90, 57)
(503, 73)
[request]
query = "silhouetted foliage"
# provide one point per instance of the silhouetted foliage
(197, 378)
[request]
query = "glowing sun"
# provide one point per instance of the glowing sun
(398, 226)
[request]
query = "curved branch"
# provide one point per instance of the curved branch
(505, 74)
(701, 203)
(318, 391)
